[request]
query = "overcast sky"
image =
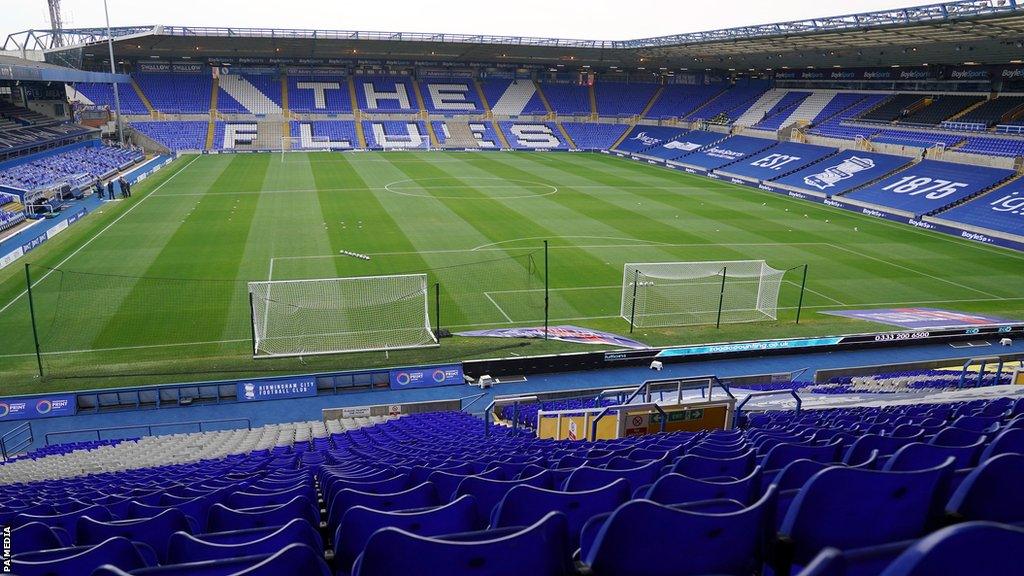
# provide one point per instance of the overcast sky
(589, 19)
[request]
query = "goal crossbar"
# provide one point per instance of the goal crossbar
(339, 315)
(662, 294)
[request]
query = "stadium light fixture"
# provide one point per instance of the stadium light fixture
(113, 70)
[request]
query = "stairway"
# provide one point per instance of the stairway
(211, 127)
(811, 106)
(145, 100)
(459, 135)
(650, 103)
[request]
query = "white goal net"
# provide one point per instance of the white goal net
(691, 293)
(334, 315)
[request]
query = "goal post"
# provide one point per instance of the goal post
(338, 315)
(662, 294)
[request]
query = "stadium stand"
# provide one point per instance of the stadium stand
(451, 96)
(1001, 210)
(894, 108)
(731, 104)
(641, 138)
(476, 135)
(77, 167)
(319, 134)
(680, 100)
(176, 135)
(385, 94)
(103, 95)
(179, 93)
(685, 143)
(929, 186)
(396, 134)
(916, 139)
(513, 97)
(779, 160)
(320, 94)
(394, 491)
(941, 108)
(843, 172)
(568, 99)
(590, 136)
(533, 135)
(782, 110)
(249, 93)
(1010, 147)
(618, 99)
(994, 111)
(732, 149)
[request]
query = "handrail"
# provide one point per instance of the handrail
(697, 383)
(646, 405)
(147, 427)
(739, 407)
(984, 361)
(7, 453)
(476, 398)
(513, 398)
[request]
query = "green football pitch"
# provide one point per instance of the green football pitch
(153, 289)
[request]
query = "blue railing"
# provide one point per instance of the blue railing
(199, 424)
(739, 407)
(16, 440)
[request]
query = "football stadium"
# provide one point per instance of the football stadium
(287, 301)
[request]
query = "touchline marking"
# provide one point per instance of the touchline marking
(884, 261)
(655, 188)
(559, 247)
(481, 324)
(498, 307)
(100, 233)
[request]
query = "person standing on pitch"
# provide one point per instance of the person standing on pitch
(110, 189)
(98, 188)
(125, 191)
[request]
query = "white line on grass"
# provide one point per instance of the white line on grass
(488, 294)
(100, 233)
(559, 247)
(815, 292)
(908, 269)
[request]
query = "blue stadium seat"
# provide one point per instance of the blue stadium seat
(992, 491)
(293, 559)
(447, 483)
(80, 560)
(252, 497)
(643, 538)
(866, 444)
(36, 536)
(782, 454)
(1009, 441)
(488, 493)
(588, 478)
(195, 511)
(677, 489)
(153, 531)
(183, 547)
(224, 518)
(539, 550)
(918, 456)
(848, 508)
(67, 522)
(971, 548)
(359, 524)
(422, 496)
(952, 436)
(702, 467)
(524, 505)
